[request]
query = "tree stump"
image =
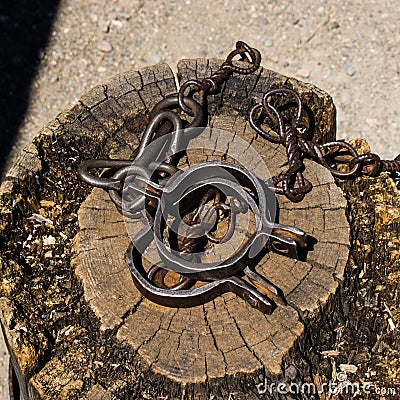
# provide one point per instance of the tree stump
(76, 326)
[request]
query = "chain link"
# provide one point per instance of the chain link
(166, 118)
(291, 182)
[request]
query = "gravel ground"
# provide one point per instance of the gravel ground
(348, 48)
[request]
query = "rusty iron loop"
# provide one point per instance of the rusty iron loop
(151, 128)
(287, 188)
(194, 84)
(271, 138)
(101, 182)
(232, 212)
(275, 115)
(371, 164)
(210, 219)
(212, 83)
(191, 107)
(234, 207)
(200, 226)
(243, 49)
(292, 183)
(115, 184)
(323, 150)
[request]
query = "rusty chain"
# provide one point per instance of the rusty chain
(154, 183)
(292, 183)
(162, 119)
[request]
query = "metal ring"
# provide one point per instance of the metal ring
(231, 230)
(115, 196)
(241, 49)
(369, 159)
(172, 102)
(276, 114)
(153, 124)
(181, 95)
(102, 183)
(349, 174)
(272, 138)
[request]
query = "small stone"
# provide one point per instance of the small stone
(112, 15)
(268, 43)
(303, 73)
(49, 240)
(126, 16)
(117, 23)
(156, 58)
(126, 53)
(48, 254)
(335, 25)
(104, 46)
(94, 17)
(348, 368)
(350, 70)
(105, 26)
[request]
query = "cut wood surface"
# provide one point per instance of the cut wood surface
(79, 327)
(227, 335)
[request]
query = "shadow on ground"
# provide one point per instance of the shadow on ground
(25, 26)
